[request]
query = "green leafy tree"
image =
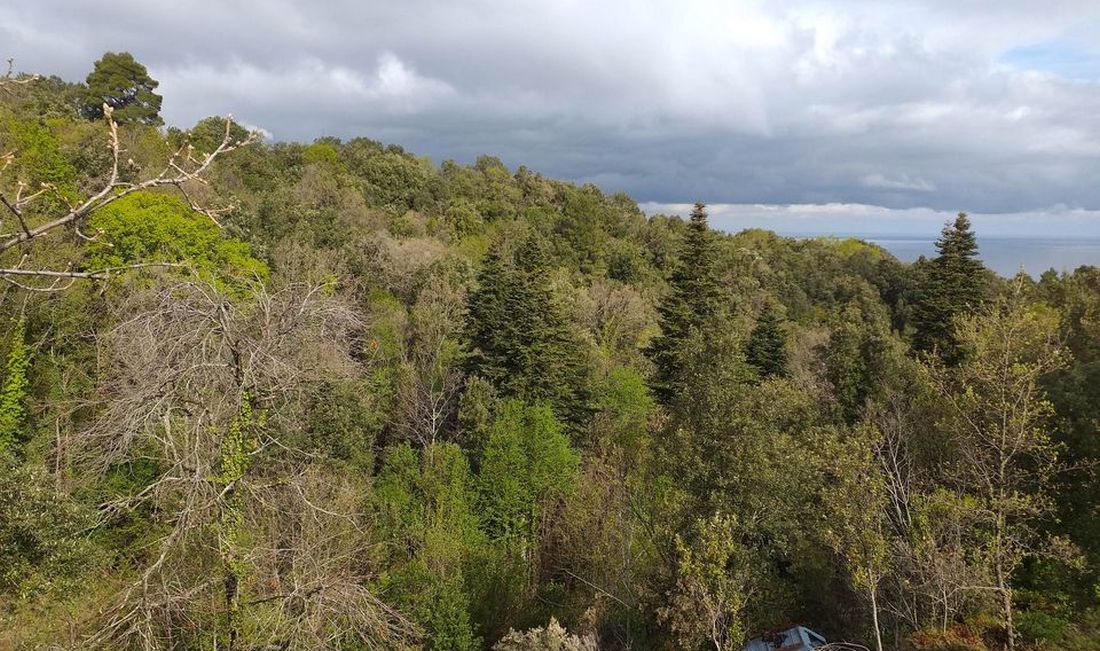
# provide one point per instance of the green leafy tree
(156, 227)
(208, 133)
(1007, 458)
(527, 470)
(425, 503)
(122, 83)
(1072, 393)
(767, 345)
(41, 538)
(954, 284)
(710, 594)
(692, 300)
(856, 501)
(395, 181)
(625, 407)
(527, 462)
(40, 157)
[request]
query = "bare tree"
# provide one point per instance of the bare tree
(428, 394)
(211, 390)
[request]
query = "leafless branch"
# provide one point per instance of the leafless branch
(10, 79)
(176, 372)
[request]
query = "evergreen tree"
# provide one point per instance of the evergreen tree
(767, 345)
(520, 337)
(954, 284)
(122, 83)
(691, 302)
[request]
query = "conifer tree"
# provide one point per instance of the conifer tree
(691, 302)
(767, 345)
(520, 337)
(953, 285)
(122, 83)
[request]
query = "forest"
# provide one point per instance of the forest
(279, 395)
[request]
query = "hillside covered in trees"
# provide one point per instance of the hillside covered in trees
(335, 396)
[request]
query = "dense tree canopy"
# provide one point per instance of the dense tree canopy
(331, 395)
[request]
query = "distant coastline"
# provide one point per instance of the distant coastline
(1004, 255)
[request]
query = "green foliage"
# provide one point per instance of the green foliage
(520, 336)
(14, 390)
(395, 181)
(1040, 628)
(123, 84)
(527, 463)
(153, 227)
(40, 159)
(342, 423)
(209, 132)
(41, 536)
(625, 407)
(425, 501)
(862, 358)
(712, 572)
(321, 153)
(463, 217)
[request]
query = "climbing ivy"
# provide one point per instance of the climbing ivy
(13, 393)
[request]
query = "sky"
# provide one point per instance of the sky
(804, 116)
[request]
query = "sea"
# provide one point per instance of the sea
(1004, 255)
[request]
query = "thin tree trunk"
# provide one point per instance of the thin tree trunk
(874, 612)
(232, 604)
(1010, 628)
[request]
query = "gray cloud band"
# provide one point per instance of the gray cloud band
(911, 104)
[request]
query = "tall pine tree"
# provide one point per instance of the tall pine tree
(953, 285)
(520, 337)
(692, 301)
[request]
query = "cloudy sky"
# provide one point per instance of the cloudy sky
(856, 115)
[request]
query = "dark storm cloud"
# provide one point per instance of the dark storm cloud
(900, 104)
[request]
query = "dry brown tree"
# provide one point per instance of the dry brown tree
(261, 539)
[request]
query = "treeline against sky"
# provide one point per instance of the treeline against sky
(333, 395)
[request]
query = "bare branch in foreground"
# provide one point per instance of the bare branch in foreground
(185, 167)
